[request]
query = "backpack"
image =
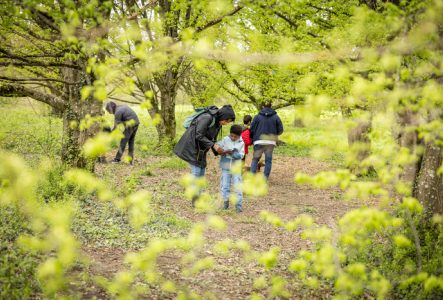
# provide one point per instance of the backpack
(198, 112)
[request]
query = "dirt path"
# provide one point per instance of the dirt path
(232, 276)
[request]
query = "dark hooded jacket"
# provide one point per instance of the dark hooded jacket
(200, 136)
(266, 125)
(124, 114)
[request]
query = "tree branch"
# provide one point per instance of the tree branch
(38, 56)
(218, 20)
(12, 90)
(237, 84)
(122, 100)
(37, 79)
(37, 64)
(43, 19)
(142, 9)
(188, 13)
(238, 97)
(280, 15)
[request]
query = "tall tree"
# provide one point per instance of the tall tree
(275, 27)
(44, 52)
(155, 45)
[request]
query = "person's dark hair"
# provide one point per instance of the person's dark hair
(111, 107)
(236, 129)
(247, 119)
(226, 113)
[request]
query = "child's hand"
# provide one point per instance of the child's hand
(218, 149)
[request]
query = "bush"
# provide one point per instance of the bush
(52, 187)
(17, 268)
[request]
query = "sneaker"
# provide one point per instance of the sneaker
(115, 161)
(238, 209)
(226, 205)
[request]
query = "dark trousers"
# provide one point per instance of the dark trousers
(258, 152)
(129, 138)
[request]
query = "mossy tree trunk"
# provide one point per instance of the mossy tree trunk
(76, 110)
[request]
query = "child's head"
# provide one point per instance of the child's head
(247, 120)
(235, 132)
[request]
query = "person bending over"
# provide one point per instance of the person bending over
(123, 114)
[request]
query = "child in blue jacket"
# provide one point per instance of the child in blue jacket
(234, 150)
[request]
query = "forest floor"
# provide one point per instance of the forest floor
(233, 276)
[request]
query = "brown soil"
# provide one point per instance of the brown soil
(232, 276)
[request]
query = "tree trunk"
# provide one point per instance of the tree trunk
(359, 141)
(298, 122)
(167, 114)
(409, 139)
(164, 106)
(57, 112)
(75, 111)
(428, 187)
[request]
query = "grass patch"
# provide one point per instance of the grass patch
(336, 196)
(103, 225)
(174, 163)
(309, 210)
(147, 172)
(28, 129)
(320, 143)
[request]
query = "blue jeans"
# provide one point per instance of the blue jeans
(258, 151)
(197, 171)
(225, 187)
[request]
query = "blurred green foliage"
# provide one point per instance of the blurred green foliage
(344, 63)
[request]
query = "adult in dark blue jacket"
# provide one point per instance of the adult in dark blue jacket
(265, 129)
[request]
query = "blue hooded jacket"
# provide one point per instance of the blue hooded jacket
(266, 125)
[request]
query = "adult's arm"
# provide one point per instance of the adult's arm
(221, 143)
(253, 127)
(201, 130)
(279, 126)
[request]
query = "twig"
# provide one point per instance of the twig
(416, 240)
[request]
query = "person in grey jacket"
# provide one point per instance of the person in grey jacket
(123, 114)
